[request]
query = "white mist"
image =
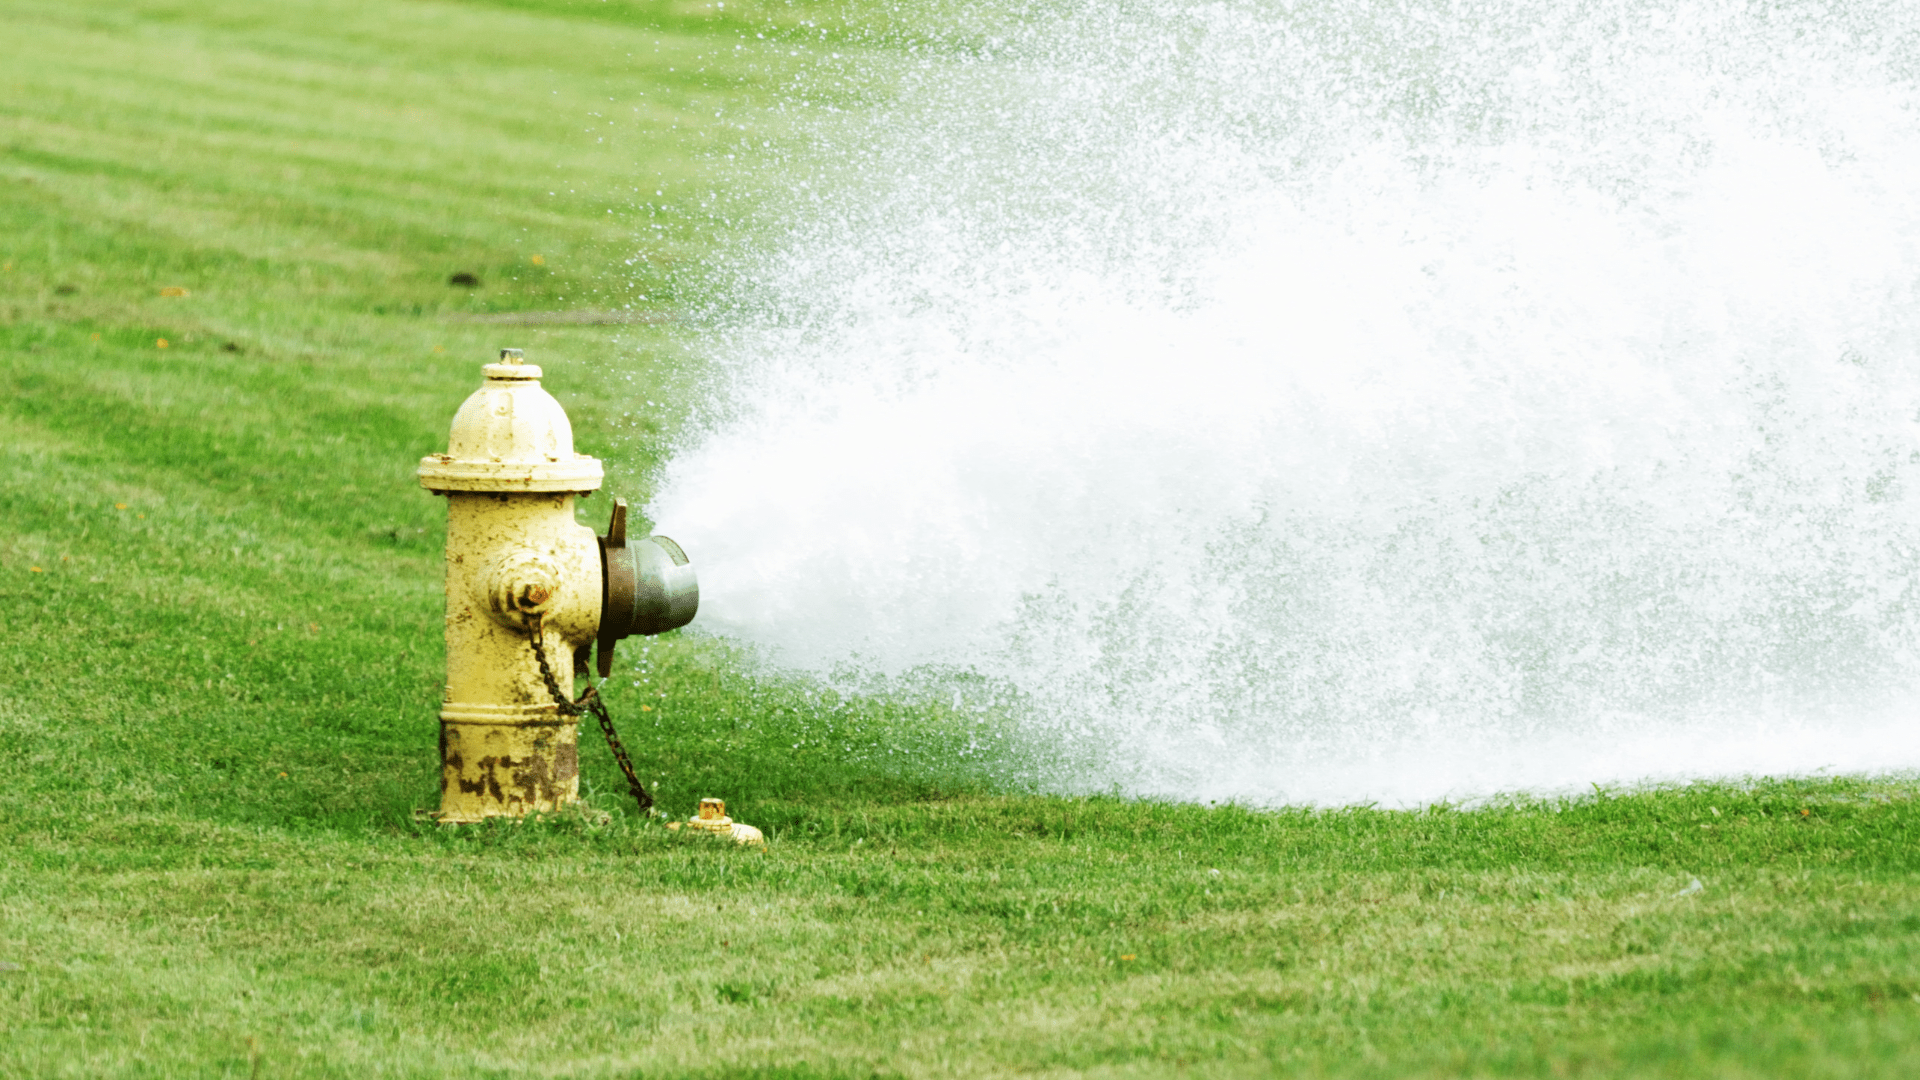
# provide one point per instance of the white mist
(1327, 403)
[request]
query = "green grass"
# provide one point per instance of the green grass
(222, 653)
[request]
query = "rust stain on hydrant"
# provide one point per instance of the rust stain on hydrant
(513, 551)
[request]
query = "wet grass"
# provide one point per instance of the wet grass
(222, 657)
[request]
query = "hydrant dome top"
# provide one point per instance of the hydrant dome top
(510, 435)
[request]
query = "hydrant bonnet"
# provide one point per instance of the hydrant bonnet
(510, 435)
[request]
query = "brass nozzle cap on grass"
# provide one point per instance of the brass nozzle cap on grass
(713, 820)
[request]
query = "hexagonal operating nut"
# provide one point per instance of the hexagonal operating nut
(519, 584)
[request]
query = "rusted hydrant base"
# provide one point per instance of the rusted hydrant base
(506, 761)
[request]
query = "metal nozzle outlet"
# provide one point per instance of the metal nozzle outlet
(648, 587)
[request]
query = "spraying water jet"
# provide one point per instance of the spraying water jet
(1344, 402)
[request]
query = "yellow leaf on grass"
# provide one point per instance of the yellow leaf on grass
(160, 343)
(174, 290)
(539, 261)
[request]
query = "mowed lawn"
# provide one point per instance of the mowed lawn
(222, 657)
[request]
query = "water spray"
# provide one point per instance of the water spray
(1344, 401)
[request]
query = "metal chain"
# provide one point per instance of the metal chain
(589, 701)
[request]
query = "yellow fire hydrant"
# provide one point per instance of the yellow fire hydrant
(517, 560)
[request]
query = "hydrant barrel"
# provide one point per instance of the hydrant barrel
(514, 551)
